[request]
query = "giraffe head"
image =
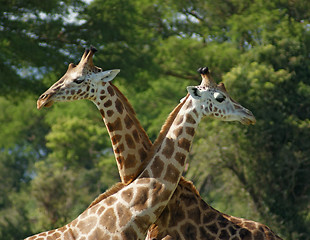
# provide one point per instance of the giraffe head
(79, 82)
(215, 102)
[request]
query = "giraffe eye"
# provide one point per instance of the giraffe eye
(78, 81)
(219, 97)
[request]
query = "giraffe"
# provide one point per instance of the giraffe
(46, 101)
(132, 209)
(130, 142)
(188, 216)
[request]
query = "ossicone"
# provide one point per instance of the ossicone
(203, 70)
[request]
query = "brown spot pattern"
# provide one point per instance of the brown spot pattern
(169, 148)
(142, 154)
(189, 231)
(119, 149)
(56, 235)
(184, 143)
(135, 135)
(195, 112)
(160, 194)
(116, 125)
(180, 157)
(100, 210)
(110, 113)
(190, 119)
(213, 228)
(119, 106)
(189, 199)
(232, 230)
(205, 235)
(257, 235)
(145, 174)
(224, 234)
(222, 222)
(108, 220)
(179, 120)
(98, 233)
(190, 104)
(130, 161)
(194, 214)
(177, 132)
(141, 198)
(130, 142)
(128, 122)
(120, 160)
(143, 222)
(123, 213)
(110, 90)
(190, 131)
(127, 195)
(102, 113)
(116, 138)
(86, 224)
(172, 173)
(245, 234)
(107, 103)
(110, 200)
(209, 217)
(157, 167)
(129, 234)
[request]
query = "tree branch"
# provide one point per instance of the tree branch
(184, 76)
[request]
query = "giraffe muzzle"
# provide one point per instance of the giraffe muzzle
(44, 101)
(247, 117)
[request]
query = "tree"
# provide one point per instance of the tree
(32, 42)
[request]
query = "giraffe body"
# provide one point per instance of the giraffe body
(103, 105)
(188, 216)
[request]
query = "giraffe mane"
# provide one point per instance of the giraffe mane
(189, 185)
(112, 190)
(162, 133)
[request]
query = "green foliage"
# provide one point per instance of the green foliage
(54, 162)
(30, 40)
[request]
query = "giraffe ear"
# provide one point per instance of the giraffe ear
(194, 92)
(108, 75)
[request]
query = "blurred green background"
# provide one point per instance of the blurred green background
(54, 162)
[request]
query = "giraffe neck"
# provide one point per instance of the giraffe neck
(135, 207)
(151, 191)
(169, 153)
(129, 140)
